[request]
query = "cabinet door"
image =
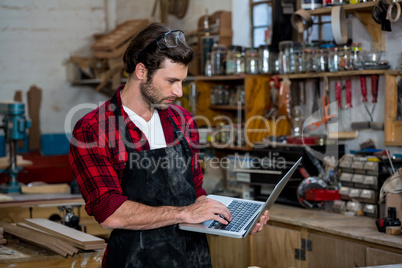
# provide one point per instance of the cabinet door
(275, 247)
(332, 252)
(229, 252)
(375, 257)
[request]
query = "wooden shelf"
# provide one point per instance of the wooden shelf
(350, 8)
(338, 74)
(230, 147)
(226, 107)
(220, 78)
(92, 81)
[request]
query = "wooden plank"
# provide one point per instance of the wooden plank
(121, 34)
(67, 247)
(392, 127)
(27, 255)
(34, 96)
(34, 238)
(46, 188)
(79, 238)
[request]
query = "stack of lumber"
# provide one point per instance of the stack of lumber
(112, 46)
(2, 240)
(53, 236)
(114, 43)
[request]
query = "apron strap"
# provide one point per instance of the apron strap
(180, 136)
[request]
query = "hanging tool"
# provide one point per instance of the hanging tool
(338, 94)
(374, 93)
(363, 87)
(363, 124)
(348, 85)
(316, 96)
(325, 118)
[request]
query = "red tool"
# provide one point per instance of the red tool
(363, 87)
(374, 90)
(348, 94)
(338, 93)
(326, 117)
(322, 195)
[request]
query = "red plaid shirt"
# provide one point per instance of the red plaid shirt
(97, 154)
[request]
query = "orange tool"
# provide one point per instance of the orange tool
(326, 118)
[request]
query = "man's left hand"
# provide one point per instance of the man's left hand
(260, 225)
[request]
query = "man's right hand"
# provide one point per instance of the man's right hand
(206, 209)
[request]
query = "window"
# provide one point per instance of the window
(321, 30)
(261, 21)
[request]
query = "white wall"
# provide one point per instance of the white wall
(36, 38)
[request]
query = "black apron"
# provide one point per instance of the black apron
(160, 177)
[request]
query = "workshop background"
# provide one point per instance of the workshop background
(44, 46)
(38, 37)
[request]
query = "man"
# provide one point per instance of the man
(136, 161)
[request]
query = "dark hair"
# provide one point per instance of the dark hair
(140, 51)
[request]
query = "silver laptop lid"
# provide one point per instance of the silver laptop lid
(274, 195)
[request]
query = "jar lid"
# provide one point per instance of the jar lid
(327, 46)
(234, 47)
(285, 44)
(264, 46)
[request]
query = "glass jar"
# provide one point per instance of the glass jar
(265, 60)
(239, 60)
(321, 59)
(333, 59)
(232, 51)
(217, 59)
(251, 60)
(208, 65)
(356, 61)
(299, 61)
(309, 60)
(220, 95)
(344, 58)
(286, 59)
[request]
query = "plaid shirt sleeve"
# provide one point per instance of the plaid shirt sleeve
(97, 176)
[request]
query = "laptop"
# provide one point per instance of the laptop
(245, 213)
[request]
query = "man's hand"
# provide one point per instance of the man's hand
(260, 225)
(207, 209)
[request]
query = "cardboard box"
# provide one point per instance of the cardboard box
(394, 200)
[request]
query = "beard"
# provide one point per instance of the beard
(152, 96)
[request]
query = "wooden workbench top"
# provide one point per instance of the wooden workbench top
(29, 255)
(37, 200)
(354, 227)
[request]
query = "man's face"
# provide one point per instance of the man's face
(165, 86)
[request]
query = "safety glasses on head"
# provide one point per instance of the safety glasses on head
(170, 39)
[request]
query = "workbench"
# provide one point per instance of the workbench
(309, 238)
(25, 255)
(44, 205)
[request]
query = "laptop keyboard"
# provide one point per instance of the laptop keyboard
(241, 213)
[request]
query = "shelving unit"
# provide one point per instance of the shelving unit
(363, 13)
(350, 8)
(257, 100)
